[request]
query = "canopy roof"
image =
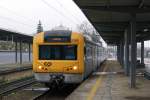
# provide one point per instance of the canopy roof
(8, 35)
(112, 17)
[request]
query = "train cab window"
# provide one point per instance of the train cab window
(44, 52)
(57, 52)
(70, 52)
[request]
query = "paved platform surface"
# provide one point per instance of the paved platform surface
(4, 67)
(111, 84)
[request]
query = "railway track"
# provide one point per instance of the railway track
(8, 88)
(20, 69)
(40, 95)
(57, 93)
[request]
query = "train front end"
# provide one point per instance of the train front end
(57, 57)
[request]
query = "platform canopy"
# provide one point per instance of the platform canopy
(112, 17)
(9, 35)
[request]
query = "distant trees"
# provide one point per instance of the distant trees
(88, 29)
(6, 45)
(39, 27)
(85, 28)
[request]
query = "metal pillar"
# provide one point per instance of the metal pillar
(118, 53)
(20, 51)
(29, 52)
(121, 52)
(126, 52)
(16, 58)
(142, 52)
(133, 51)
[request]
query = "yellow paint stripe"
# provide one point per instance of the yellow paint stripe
(97, 85)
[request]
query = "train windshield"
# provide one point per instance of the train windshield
(57, 52)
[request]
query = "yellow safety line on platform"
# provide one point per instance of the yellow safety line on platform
(93, 90)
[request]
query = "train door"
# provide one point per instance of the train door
(88, 62)
(99, 55)
(97, 65)
(94, 58)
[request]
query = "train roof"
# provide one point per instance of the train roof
(67, 35)
(58, 33)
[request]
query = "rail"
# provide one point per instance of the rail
(10, 87)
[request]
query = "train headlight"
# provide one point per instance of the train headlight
(40, 67)
(75, 67)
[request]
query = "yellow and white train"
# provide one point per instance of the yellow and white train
(65, 56)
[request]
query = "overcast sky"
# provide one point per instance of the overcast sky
(23, 15)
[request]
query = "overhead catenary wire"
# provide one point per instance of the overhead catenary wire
(10, 19)
(67, 10)
(59, 12)
(17, 14)
(72, 14)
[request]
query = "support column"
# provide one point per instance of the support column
(20, 43)
(121, 52)
(16, 58)
(142, 52)
(118, 53)
(133, 51)
(29, 52)
(126, 52)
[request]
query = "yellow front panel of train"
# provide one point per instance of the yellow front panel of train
(57, 66)
(69, 65)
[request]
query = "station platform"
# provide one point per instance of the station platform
(111, 84)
